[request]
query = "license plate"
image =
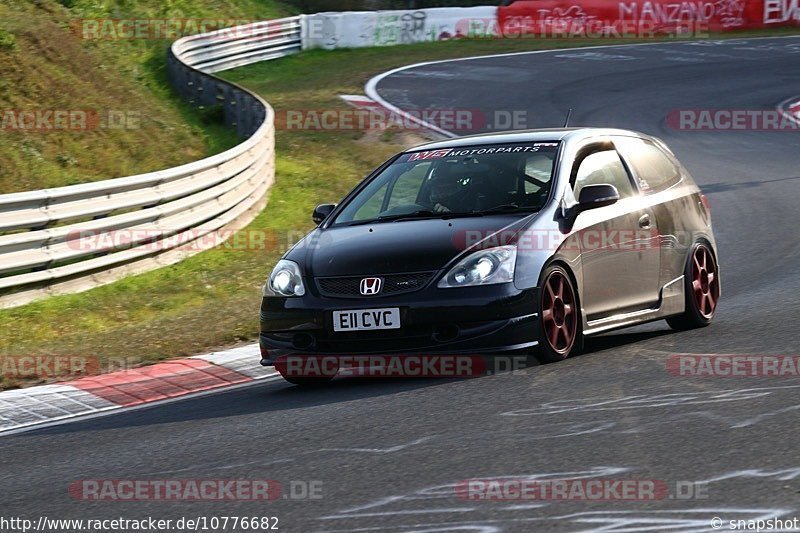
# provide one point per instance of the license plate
(366, 319)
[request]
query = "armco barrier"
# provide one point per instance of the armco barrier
(43, 234)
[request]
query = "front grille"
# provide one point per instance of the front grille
(349, 287)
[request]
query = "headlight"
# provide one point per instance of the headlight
(285, 280)
(484, 267)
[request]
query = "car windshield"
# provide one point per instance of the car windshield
(452, 182)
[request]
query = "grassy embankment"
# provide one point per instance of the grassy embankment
(46, 63)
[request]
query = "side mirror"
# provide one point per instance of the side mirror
(594, 196)
(321, 212)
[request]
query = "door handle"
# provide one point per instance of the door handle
(644, 221)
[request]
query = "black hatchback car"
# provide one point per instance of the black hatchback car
(522, 241)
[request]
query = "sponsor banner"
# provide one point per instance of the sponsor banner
(477, 151)
(355, 29)
(781, 13)
(654, 17)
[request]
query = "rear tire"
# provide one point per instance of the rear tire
(560, 327)
(701, 288)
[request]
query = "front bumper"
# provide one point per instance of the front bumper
(470, 320)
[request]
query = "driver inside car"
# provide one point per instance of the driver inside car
(451, 187)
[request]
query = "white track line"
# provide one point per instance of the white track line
(786, 106)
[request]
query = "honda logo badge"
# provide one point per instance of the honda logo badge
(371, 286)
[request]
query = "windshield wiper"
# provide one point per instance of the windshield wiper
(422, 213)
(509, 208)
(426, 213)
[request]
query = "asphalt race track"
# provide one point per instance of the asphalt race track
(389, 453)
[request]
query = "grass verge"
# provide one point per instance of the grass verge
(211, 300)
(48, 65)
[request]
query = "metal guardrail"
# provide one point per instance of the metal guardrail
(68, 239)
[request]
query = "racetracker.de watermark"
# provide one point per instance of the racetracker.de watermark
(379, 119)
(397, 366)
(210, 490)
(601, 490)
(266, 240)
(571, 24)
(733, 365)
(68, 120)
(159, 239)
(732, 120)
(160, 29)
(533, 240)
(60, 366)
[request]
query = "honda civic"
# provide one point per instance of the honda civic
(501, 243)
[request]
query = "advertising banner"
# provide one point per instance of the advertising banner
(597, 18)
(356, 29)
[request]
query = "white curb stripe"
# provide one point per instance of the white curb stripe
(48, 405)
(790, 109)
(244, 360)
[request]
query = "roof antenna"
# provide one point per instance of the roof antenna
(569, 115)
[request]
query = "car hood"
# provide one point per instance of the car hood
(401, 246)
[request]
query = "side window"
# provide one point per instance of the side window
(654, 170)
(603, 168)
(404, 191)
(372, 207)
(407, 186)
(538, 166)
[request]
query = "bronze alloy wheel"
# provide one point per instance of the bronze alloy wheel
(560, 316)
(705, 285)
(702, 289)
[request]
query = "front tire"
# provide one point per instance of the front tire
(560, 331)
(701, 287)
